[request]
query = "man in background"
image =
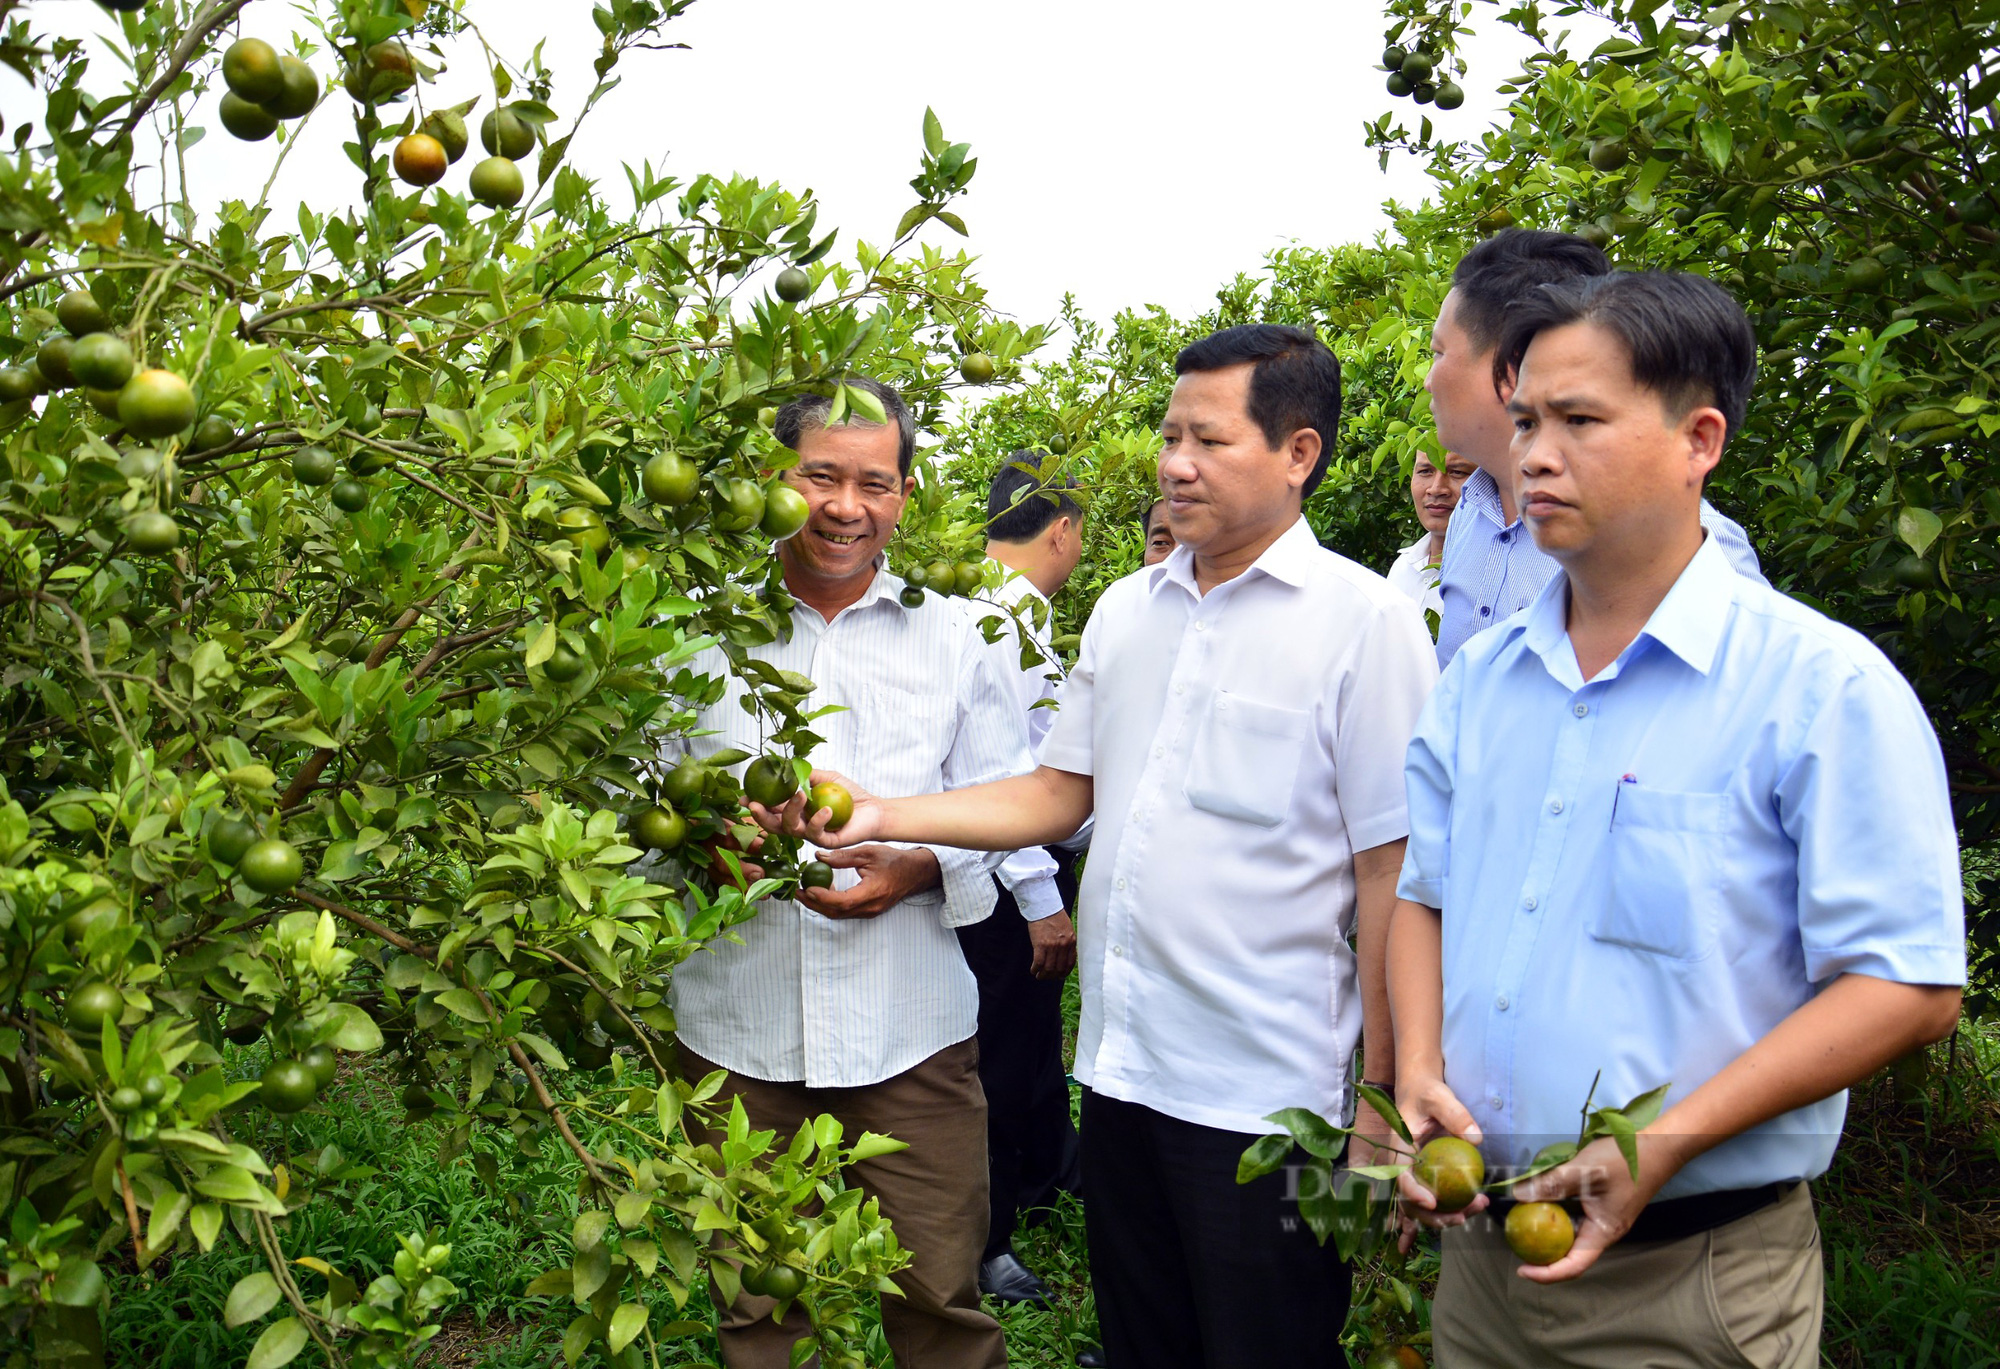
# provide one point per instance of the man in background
(1434, 492)
(1023, 953)
(1491, 567)
(1160, 542)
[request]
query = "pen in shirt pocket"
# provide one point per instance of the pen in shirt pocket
(1627, 779)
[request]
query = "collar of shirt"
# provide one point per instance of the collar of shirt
(1289, 559)
(1481, 494)
(1688, 622)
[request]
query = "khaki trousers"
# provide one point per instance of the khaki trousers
(934, 1193)
(1746, 1294)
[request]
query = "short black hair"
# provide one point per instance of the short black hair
(1506, 266)
(1294, 381)
(1687, 338)
(808, 414)
(1023, 501)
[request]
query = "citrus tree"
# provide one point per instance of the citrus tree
(350, 568)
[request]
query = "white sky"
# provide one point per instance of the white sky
(1132, 153)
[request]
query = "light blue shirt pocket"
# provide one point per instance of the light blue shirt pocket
(1666, 872)
(1246, 759)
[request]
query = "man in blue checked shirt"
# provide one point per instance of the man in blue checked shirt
(1668, 825)
(1492, 569)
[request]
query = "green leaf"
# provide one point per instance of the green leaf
(253, 1296)
(464, 1003)
(626, 1323)
(355, 1030)
(589, 1271)
(591, 1224)
(1264, 1156)
(1385, 1107)
(543, 647)
(557, 1283)
(578, 1336)
(933, 134)
(1918, 528)
(78, 1282)
(917, 214)
(870, 1145)
(278, 1346)
(1314, 1133)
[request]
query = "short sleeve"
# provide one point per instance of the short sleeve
(1071, 744)
(1382, 691)
(1867, 802)
(1429, 771)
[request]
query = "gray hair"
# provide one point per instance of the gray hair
(808, 414)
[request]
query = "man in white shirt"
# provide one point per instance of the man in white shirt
(1434, 492)
(1237, 717)
(856, 1000)
(1023, 953)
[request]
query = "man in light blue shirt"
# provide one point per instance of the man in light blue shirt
(1671, 827)
(1492, 569)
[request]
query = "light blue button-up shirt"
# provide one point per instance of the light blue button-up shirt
(1492, 569)
(1646, 873)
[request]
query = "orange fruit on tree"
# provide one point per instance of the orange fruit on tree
(420, 159)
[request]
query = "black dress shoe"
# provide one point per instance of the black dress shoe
(1006, 1278)
(1090, 1359)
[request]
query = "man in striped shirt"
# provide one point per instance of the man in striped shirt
(856, 1000)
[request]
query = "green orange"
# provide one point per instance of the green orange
(829, 795)
(1452, 1169)
(1540, 1233)
(271, 866)
(660, 829)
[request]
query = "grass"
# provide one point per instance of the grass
(1910, 1215)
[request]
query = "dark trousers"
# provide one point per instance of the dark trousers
(1189, 1267)
(1031, 1145)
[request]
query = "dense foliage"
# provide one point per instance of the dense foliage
(349, 569)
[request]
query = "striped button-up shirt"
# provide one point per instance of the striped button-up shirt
(855, 1001)
(1493, 569)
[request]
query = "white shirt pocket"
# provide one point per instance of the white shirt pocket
(1245, 759)
(1666, 872)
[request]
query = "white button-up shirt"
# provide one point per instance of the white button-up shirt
(839, 1003)
(1492, 568)
(1646, 872)
(1243, 744)
(1029, 875)
(1416, 575)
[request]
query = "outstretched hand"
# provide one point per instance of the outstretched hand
(795, 819)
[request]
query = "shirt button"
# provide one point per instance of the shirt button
(1496, 1101)
(1180, 689)
(1118, 951)
(1200, 626)
(1501, 1002)
(1528, 902)
(1159, 751)
(1555, 805)
(1121, 884)
(1485, 610)
(1582, 709)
